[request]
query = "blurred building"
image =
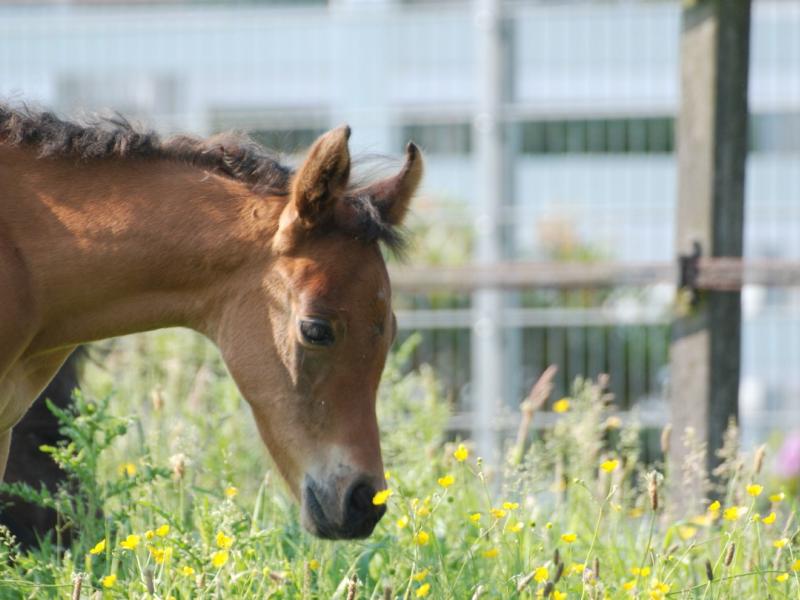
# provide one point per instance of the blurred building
(590, 96)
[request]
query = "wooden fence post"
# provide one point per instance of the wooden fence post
(712, 148)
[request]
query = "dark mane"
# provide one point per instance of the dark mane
(231, 154)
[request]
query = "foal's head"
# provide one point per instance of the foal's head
(307, 337)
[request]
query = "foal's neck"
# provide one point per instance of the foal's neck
(116, 247)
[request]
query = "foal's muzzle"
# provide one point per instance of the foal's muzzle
(352, 517)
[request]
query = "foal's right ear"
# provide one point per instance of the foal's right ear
(322, 178)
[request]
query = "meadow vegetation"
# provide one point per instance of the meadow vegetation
(173, 497)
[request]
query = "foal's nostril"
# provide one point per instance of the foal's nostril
(361, 514)
(361, 497)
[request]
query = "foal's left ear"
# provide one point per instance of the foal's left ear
(392, 196)
(322, 178)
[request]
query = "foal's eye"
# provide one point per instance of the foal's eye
(317, 332)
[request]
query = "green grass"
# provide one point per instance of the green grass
(161, 438)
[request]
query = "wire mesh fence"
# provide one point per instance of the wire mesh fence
(589, 99)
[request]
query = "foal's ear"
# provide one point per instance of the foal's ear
(392, 196)
(322, 178)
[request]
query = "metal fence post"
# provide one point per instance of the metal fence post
(487, 335)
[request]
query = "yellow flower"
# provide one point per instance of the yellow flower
(643, 572)
(130, 542)
(561, 406)
(540, 574)
(491, 553)
(387, 475)
(733, 513)
(128, 469)
(609, 465)
(224, 541)
(461, 454)
(98, 547)
(548, 525)
(498, 513)
(777, 497)
(796, 565)
(421, 575)
(381, 497)
(629, 585)
(714, 506)
(149, 534)
(423, 590)
(511, 505)
(231, 491)
(475, 517)
(577, 568)
(219, 558)
(782, 577)
(769, 519)
(658, 590)
(402, 522)
(109, 581)
(187, 571)
(635, 512)
(422, 538)
(516, 527)
(423, 511)
(780, 543)
(686, 532)
(163, 530)
(446, 481)
(313, 564)
(559, 595)
(568, 538)
(755, 490)
(160, 555)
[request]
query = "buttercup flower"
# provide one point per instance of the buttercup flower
(421, 575)
(224, 541)
(782, 577)
(381, 497)
(313, 564)
(423, 590)
(561, 406)
(769, 519)
(446, 481)
(475, 517)
(540, 574)
(98, 547)
(231, 491)
(491, 553)
(498, 513)
(714, 506)
(511, 505)
(130, 542)
(108, 581)
(422, 538)
(461, 454)
(162, 531)
(568, 538)
(219, 558)
(516, 527)
(187, 571)
(777, 497)
(609, 465)
(780, 543)
(733, 513)
(402, 522)
(755, 490)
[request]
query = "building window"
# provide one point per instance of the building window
(439, 138)
(285, 131)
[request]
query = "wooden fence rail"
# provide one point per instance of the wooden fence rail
(721, 274)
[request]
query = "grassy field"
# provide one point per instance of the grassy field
(176, 499)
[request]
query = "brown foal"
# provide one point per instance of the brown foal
(106, 231)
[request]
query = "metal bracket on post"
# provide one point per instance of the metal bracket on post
(689, 270)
